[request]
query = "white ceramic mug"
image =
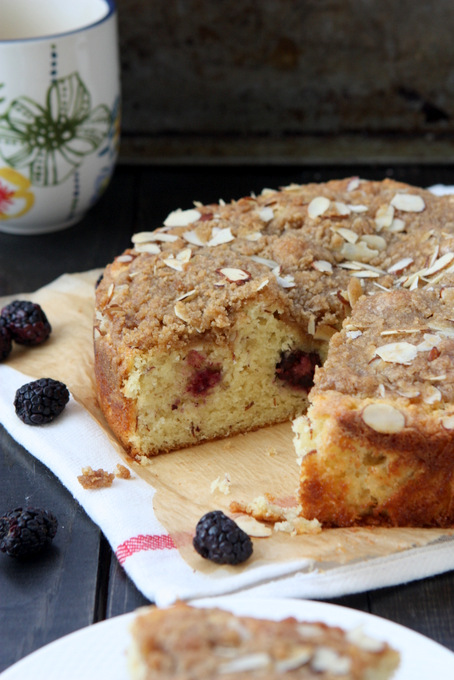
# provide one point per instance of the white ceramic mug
(59, 110)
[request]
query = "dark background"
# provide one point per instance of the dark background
(287, 80)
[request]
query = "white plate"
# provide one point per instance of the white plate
(99, 651)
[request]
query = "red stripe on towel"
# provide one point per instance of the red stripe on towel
(143, 542)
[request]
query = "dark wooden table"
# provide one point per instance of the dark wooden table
(79, 581)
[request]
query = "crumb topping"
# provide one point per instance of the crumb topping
(396, 343)
(310, 251)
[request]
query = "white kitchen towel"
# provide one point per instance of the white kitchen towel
(124, 513)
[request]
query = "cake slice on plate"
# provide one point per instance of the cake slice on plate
(204, 644)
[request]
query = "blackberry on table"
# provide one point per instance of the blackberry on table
(26, 531)
(26, 322)
(41, 401)
(5, 340)
(219, 539)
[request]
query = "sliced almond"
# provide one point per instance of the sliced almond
(266, 214)
(341, 208)
(358, 207)
(252, 527)
(188, 296)
(234, 275)
(181, 218)
(330, 661)
(152, 248)
(193, 238)
(262, 284)
(383, 418)
(384, 217)
(365, 274)
(253, 236)
(431, 395)
(441, 263)
(124, 258)
(358, 251)
(448, 422)
(220, 236)
(399, 266)
(374, 241)
(150, 236)
(396, 331)
(110, 291)
(300, 657)
(358, 637)
(409, 392)
(430, 341)
(352, 335)
(318, 206)
(347, 234)
(353, 184)
(323, 266)
(397, 352)
(263, 260)
(181, 312)
(246, 663)
(397, 225)
(173, 263)
(285, 281)
(408, 202)
(184, 255)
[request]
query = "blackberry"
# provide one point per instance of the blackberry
(26, 531)
(297, 368)
(219, 539)
(5, 340)
(26, 322)
(41, 401)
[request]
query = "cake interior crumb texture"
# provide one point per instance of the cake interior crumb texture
(202, 644)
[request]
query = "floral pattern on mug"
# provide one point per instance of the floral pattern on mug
(52, 141)
(15, 197)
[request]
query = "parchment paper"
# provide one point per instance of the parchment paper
(257, 463)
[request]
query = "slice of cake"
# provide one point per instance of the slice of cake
(191, 643)
(213, 324)
(377, 443)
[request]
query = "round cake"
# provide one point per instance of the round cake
(216, 322)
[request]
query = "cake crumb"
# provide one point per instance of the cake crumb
(285, 518)
(122, 472)
(222, 485)
(95, 479)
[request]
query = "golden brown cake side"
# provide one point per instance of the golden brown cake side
(190, 643)
(213, 324)
(377, 443)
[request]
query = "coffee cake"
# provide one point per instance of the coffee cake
(187, 642)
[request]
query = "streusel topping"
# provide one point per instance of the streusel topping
(310, 250)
